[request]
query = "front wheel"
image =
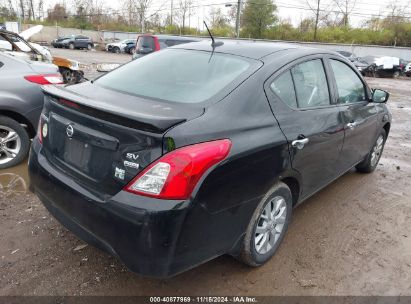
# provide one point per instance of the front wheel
(369, 164)
(89, 46)
(14, 142)
(268, 226)
(71, 46)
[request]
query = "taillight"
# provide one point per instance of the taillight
(45, 79)
(175, 175)
(42, 129)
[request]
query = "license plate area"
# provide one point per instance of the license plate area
(77, 154)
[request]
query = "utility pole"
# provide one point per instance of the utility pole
(237, 21)
(316, 20)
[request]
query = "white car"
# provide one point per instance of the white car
(6, 46)
(118, 47)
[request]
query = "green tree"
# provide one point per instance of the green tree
(257, 17)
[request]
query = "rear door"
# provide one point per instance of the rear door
(301, 100)
(360, 117)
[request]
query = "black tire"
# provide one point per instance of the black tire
(6, 122)
(368, 165)
(116, 50)
(249, 254)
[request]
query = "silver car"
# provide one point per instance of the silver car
(21, 102)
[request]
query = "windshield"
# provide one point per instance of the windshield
(177, 75)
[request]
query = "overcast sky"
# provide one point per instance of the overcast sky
(294, 10)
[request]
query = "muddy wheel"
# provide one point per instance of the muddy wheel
(116, 50)
(268, 226)
(71, 46)
(396, 74)
(89, 46)
(370, 162)
(14, 142)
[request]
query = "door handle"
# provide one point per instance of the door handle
(300, 143)
(351, 125)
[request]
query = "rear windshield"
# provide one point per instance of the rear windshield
(177, 75)
(146, 44)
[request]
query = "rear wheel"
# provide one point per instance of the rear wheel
(268, 226)
(116, 50)
(89, 46)
(370, 162)
(14, 142)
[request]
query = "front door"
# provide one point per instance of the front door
(301, 102)
(359, 115)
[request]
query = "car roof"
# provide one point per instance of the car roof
(171, 37)
(250, 49)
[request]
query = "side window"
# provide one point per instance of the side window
(283, 87)
(311, 84)
(350, 87)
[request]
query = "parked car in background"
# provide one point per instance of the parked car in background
(74, 42)
(359, 64)
(57, 43)
(146, 44)
(130, 48)
(205, 151)
(407, 70)
(16, 45)
(350, 56)
(385, 66)
(13, 44)
(21, 102)
(119, 47)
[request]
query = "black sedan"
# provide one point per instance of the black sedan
(205, 151)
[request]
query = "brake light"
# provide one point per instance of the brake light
(45, 79)
(175, 175)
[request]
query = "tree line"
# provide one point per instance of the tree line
(259, 19)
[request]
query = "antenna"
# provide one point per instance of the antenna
(213, 43)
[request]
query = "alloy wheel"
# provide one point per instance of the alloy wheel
(377, 150)
(10, 144)
(270, 225)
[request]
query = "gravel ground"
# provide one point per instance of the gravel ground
(352, 238)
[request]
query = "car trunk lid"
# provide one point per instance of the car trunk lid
(101, 138)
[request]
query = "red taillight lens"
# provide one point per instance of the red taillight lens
(175, 175)
(45, 79)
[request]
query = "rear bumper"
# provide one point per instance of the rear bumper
(143, 233)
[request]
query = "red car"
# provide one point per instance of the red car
(147, 43)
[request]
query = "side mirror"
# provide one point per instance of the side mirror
(380, 96)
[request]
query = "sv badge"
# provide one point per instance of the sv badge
(132, 156)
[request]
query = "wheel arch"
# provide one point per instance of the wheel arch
(294, 184)
(21, 120)
(387, 128)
